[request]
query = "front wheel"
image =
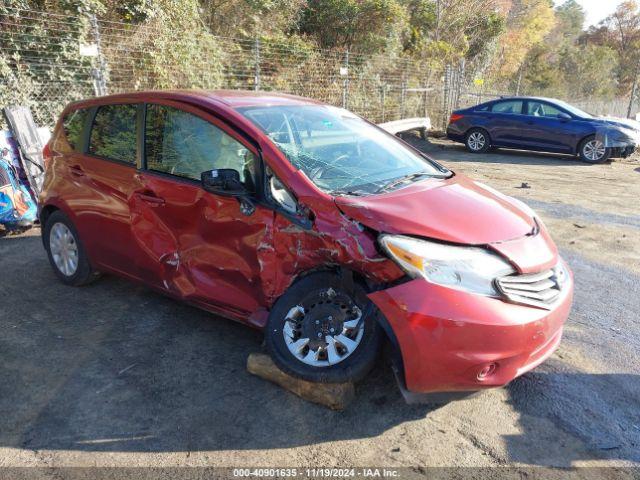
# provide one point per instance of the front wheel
(593, 150)
(477, 141)
(320, 332)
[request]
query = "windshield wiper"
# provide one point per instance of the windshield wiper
(405, 179)
(353, 193)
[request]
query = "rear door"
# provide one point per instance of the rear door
(105, 177)
(196, 245)
(505, 123)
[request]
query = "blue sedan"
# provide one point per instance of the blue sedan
(544, 125)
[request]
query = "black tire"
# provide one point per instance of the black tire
(353, 367)
(84, 273)
(587, 153)
(477, 140)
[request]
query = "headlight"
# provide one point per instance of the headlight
(471, 269)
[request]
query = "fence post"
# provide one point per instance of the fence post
(459, 79)
(99, 72)
(634, 89)
(403, 92)
(345, 82)
(384, 101)
(256, 77)
(445, 95)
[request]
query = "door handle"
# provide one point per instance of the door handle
(76, 171)
(150, 198)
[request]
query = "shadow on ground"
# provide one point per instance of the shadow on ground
(454, 152)
(115, 367)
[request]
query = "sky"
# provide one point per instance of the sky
(596, 9)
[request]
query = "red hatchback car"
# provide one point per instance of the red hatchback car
(310, 223)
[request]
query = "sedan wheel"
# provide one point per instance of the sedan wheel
(477, 141)
(594, 150)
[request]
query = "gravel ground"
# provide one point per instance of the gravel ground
(116, 375)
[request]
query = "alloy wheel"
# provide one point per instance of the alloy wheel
(594, 150)
(324, 329)
(476, 141)
(64, 249)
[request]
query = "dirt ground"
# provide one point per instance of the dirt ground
(116, 375)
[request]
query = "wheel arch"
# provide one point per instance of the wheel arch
(390, 341)
(576, 148)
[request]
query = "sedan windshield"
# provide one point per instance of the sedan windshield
(574, 110)
(339, 151)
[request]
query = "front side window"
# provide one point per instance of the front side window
(539, 109)
(340, 152)
(510, 106)
(113, 134)
(73, 126)
(185, 145)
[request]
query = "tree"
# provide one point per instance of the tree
(364, 25)
(528, 23)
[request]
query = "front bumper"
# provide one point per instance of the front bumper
(452, 340)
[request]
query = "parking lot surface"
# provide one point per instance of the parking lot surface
(114, 374)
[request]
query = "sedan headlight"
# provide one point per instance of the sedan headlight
(471, 269)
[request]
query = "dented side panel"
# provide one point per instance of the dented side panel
(333, 240)
(200, 247)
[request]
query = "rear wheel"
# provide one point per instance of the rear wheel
(320, 332)
(593, 150)
(65, 251)
(477, 141)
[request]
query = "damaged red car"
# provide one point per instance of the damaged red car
(310, 223)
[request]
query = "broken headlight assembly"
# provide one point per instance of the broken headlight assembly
(471, 269)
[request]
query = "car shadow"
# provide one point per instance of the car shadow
(453, 152)
(114, 367)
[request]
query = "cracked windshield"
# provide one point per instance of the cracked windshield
(341, 153)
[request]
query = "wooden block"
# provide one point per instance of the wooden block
(336, 396)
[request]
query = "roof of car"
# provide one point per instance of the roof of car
(232, 98)
(526, 98)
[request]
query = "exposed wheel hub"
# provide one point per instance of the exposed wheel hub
(324, 329)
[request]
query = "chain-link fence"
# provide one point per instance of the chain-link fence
(48, 60)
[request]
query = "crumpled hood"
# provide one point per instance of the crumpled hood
(618, 122)
(456, 210)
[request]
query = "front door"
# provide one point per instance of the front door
(197, 245)
(547, 129)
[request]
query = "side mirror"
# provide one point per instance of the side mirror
(564, 116)
(223, 181)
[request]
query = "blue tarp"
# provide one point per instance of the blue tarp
(17, 207)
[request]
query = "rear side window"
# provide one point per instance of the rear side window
(113, 133)
(510, 106)
(73, 125)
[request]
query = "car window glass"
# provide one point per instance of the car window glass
(113, 134)
(510, 106)
(539, 109)
(484, 108)
(73, 126)
(186, 145)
